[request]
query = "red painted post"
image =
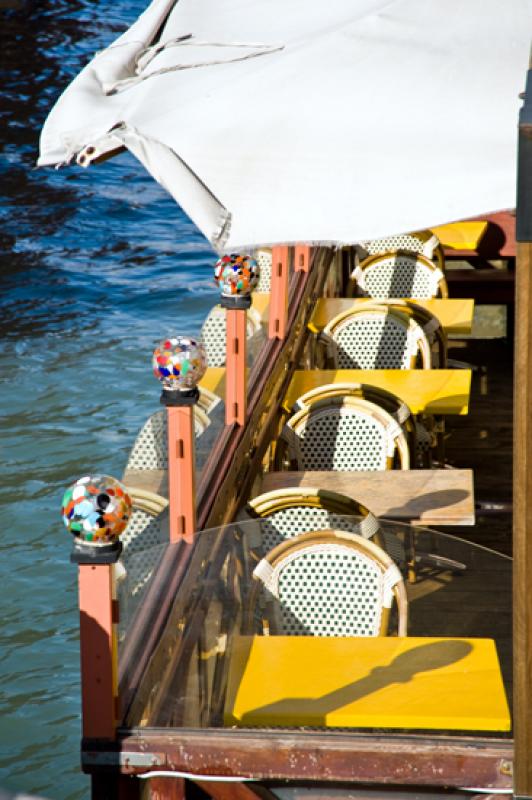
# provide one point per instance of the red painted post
(302, 254)
(279, 293)
(235, 367)
(99, 685)
(181, 472)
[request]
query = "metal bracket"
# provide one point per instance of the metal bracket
(122, 758)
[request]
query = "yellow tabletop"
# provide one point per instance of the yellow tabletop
(434, 391)
(456, 316)
(381, 682)
(260, 301)
(461, 235)
(214, 380)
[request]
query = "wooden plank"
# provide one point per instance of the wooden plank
(366, 682)
(270, 755)
(523, 523)
(456, 316)
(424, 497)
(434, 391)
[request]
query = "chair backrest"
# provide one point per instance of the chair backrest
(150, 450)
(288, 512)
(331, 583)
(263, 257)
(399, 274)
(424, 242)
(396, 407)
(345, 433)
(376, 336)
(146, 531)
(213, 333)
(431, 325)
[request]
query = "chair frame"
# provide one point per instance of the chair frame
(358, 275)
(417, 338)
(274, 559)
(397, 442)
(431, 246)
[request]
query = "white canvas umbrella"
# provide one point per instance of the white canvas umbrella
(282, 121)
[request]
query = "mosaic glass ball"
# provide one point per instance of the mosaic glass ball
(96, 509)
(236, 275)
(179, 363)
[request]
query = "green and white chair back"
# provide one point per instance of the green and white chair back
(263, 257)
(376, 336)
(213, 333)
(425, 243)
(345, 434)
(150, 450)
(399, 274)
(330, 583)
(288, 512)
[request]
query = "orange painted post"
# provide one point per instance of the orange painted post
(302, 254)
(96, 510)
(99, 669)
(235, 367)
(179, 363)
(279, 293)
(181, 472)
(236, 275)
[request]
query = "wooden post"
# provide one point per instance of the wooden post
(235, 367)
(279, 293)
(302, 254)
(522, 547)
(98, 651)
(181, 472)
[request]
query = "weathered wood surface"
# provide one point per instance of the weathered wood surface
(425, 497)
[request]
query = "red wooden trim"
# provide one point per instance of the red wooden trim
(181, 473)
(279, 293)
(235, 373)
(97, 650)
(302, 254)
(401, 759)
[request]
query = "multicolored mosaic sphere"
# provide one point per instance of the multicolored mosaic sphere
(96, 509)
(179, 363)
(236, 275)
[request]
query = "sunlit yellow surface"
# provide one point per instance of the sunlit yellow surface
(383, 682)
(214, 380)
(461, 235)
(435, 391)
(456, 316)
(260, 301)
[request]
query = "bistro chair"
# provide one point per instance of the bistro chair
(150, 450)
(327, 583)
(424, 242)
(398, 274)
(288, 512)
(386, 400)
(376, 336)
(345, 433)
(263, 257)
(213, 333)
(146, 531)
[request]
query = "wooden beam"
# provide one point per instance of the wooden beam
(522, 544)
(279, 293)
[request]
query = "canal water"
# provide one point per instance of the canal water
(95, 267)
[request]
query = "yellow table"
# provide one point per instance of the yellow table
(461, 235)
(381, 682)
(260, 301)
(456, 316)
(434, 391)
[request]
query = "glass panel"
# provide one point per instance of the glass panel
(460, 590)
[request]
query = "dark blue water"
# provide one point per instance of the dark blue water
(95, 266)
